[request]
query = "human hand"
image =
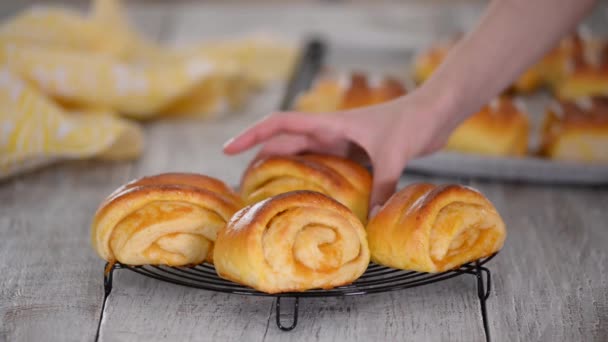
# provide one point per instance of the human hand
(390, 134)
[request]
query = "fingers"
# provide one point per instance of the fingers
(290, 144)
(286, 144)
(386, 176)
(271, 126)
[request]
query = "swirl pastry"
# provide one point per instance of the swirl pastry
(577, 131)
(586, 75)
(330, 94)
(171, 219)
(430, 228)
(339, 178)
(499, 129)
(295, 241)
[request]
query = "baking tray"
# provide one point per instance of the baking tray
(453, 164)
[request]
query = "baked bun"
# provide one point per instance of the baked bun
(499, 129)
(550, 70)
(339, 178)
(576, 131)
(586, 74)
(295, 241)
(331, 94)
(430, 228)
(170, 219)
(426, 62)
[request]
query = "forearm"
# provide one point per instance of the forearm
(510, 37)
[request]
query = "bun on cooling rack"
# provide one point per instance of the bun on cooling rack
(576, 131)
(331, 94)
(499, 129)
(430, 228)
(339, 178)
(294, 241)
(170, 219)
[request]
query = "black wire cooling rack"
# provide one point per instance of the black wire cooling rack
(376, 278)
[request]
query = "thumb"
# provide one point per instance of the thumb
(385, 181)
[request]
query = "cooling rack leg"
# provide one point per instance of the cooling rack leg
(107, 279)
(483, 292)
(278, 314)
(107, 287)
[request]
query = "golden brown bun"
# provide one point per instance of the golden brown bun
(529, 81)
(169, 219)
(342, 179)
(555, 64)
(426, 62)
(577, 131)
(430, 228)
(292, 242)
(330, 94)
(325, 96)
(586, 74)
(550, 70)
(499, 129)
(361, 94)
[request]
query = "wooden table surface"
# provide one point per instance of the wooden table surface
(550, 283)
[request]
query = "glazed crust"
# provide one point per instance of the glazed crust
(576, 131)
(499, 129)
(292, 242)
(342, 179)
(167, 219)
(430, 228)
(330, 94)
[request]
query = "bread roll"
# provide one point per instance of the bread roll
(550, 70)
(586, 75)
(499, 129)
(331, 94)
(342, 179)
(430, 228)
(427, 61)
(292, 242)
(576, 131)
(170, 219)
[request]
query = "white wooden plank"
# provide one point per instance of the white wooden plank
(52, 286)
(142, 309)
(49, 278)
(550, 279)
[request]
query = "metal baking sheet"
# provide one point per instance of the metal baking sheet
(513, 169)
(528, 169)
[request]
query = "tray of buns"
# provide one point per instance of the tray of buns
(550, 126)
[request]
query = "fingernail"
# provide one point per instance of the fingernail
(374, 211)
(228, 142)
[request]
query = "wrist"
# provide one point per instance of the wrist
(442, 103)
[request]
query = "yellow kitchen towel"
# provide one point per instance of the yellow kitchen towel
(97, 80)
(98, 60)
(35, 131)
(67, 77)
